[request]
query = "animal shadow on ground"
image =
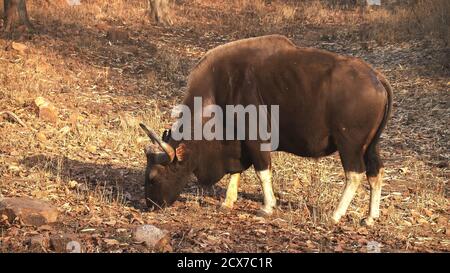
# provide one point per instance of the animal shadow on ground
(116, 180)
(218, 192)
(120, 181)
(109, 178)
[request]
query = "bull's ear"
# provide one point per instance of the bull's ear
(148, 154)
(147, 151)
(181, 152)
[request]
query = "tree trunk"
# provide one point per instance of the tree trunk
(12, 8)
(159, 11)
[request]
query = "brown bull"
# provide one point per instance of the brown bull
(327, 103)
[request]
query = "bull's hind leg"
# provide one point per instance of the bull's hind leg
(262, 163)
(374, 174)
(354, 172)
(270, 202)
(232, 191)
(352, 182)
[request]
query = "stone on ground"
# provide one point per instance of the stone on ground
(152, 236)
(46, 110)
(30, 211)
(65, 243)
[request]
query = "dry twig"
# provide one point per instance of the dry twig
(13, 117)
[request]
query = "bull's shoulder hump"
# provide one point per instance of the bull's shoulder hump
(254, 42)
(262, 47)
(278, 42)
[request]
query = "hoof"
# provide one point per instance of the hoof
(369, 221)
(334, 222)
(264, 212)
(335, 219)
(225, 207)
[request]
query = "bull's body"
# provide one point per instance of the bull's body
(327, 103)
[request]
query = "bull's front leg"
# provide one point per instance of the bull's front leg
(232, 191)
(270, 202)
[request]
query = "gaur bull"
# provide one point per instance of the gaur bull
(327, 103)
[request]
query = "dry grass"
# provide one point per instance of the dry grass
(103, 89)
(425, 19)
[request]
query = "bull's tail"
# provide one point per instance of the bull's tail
(388, 107)
(372, 159)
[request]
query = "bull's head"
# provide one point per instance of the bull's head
(166, 173)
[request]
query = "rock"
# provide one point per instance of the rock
(30, 211)
(41, 137)
(91, 148)
(21, 48)
(65, 243)
(152, 236)
(38, 242)
(64, 131)
(117, 35)
(46, 110)
(72, 184)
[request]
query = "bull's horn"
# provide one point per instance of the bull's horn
(165, 146)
